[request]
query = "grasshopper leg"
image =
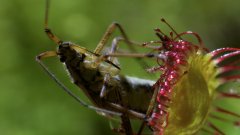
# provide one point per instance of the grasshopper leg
(104, 91)
(47, 30)
(108, 34)
(126, 124)
(131, 44)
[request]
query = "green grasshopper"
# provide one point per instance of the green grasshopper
(98, 76)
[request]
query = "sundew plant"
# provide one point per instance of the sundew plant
(192, 96)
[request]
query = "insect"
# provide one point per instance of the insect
(98, 77)
(188, 81)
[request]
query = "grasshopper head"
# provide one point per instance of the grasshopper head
(67, 52)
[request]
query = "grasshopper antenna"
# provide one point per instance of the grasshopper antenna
(164, 21)
(184, 33)
(48, 31)
(46, 14)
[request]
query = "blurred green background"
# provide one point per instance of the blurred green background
(32, 104)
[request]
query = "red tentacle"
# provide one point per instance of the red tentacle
(221, 110)
(226, 56)
(229, 68)
(217, 130)
(191, 33)
(223, 50)
(229, 95)
(229, 78)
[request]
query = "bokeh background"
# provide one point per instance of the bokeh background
(32, 104)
